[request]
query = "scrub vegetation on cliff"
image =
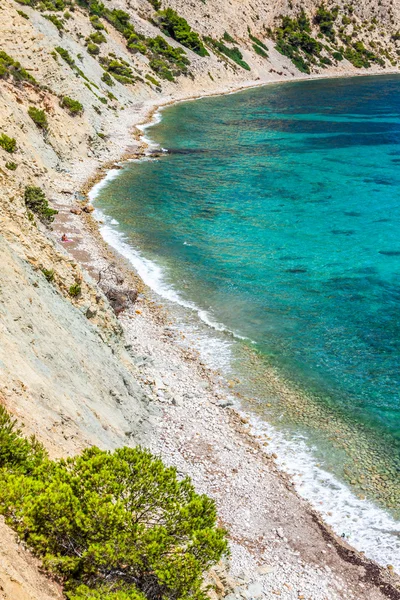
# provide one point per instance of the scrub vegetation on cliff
(111, 525)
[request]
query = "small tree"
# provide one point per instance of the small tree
(36, 201)
(117, 522)
(74, 107)
(17, 453)
(38, 117)
(7, 143)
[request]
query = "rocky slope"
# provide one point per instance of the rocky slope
(64, 367)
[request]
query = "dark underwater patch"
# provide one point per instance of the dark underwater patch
(296, 270)
(343, 231)
(352, 213)
(390, 252)
(379, 181)
(187, 151)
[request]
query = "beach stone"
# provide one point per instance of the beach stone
(120, 298)
(225, 403)
(265, 569)
(89, 208)
(75, 210)
(255, 590)
(91, 312)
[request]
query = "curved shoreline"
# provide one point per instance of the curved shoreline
(344, 549)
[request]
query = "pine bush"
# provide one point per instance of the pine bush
(116, 525)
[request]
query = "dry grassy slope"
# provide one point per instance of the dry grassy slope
(68, 377)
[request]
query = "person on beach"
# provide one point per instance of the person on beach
(64, 238)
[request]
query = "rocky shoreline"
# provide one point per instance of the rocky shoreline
(280, 545)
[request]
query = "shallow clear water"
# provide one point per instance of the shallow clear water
(277, 211)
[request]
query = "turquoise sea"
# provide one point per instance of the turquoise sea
(274, 214)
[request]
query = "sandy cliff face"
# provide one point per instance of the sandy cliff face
(64, 369)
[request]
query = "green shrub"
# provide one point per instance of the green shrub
(258, 42)
(153, 80)
(179, 29)
(74, 107)
(232, 53)
(325, 19)
(56, 21)
(65, 55)
(17, 453)
(27, 2)
(23, 14)
(75, 290)
(11, 165)
(97, 37)
(38, 117)
(7, 143)
(156, 4)
(117, 523)
(96, 23)
(293, 40)
(12, 68)
(175, 57)
(49, 274)
(228, 38)
(106, 77)
(258, 50)
(119, 68)
(36, 201)
(337, 56)
(93, 49)
(161, 68)
(85, 593)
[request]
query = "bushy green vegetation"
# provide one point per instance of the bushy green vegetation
(65, 55)
(38, 117)
(96, 23)
(232, 53)
(59, 23)
(93, 49)
(111, 525)
(325, 19)
(228, 38)
(17, 453)
(49, 274)
(152, 80)
(294, 40)
(337, 56)
(106, 77)
(179, 29)
(160, 47)
(258, 50)
(168, 62)
(97, 38)
(12, 166)
(258, 42)
(12, 68)
(8, 144)
(360, 56)
(156, 4)
(161, 68)
(74, 107)
(75, 290)
(118, 68)
(37, 203)
(23, 14)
